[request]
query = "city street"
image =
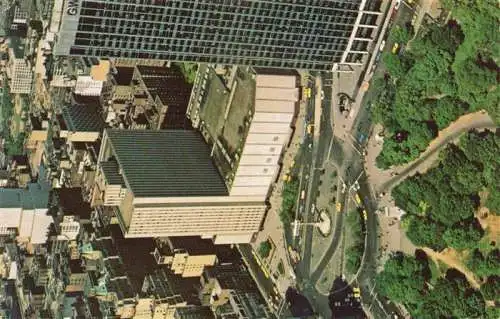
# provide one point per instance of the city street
(350, 163)
(264, 282)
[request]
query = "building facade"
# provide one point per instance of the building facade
(304, 34)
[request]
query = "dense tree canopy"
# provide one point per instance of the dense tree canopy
(452, 297)
(354, 253)
(402, 279)
(440, 204)
(491, 288)
(289, 200)
(406, 279)
(485, 266)
(445, 72)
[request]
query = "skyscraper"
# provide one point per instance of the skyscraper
(164, 184)
(304, 34)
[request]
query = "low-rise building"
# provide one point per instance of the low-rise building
(186, 256)
(160, 96)
(23, 212)
(232, 293)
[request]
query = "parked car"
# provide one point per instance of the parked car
(398, 4)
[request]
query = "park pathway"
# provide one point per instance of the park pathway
(385, 180)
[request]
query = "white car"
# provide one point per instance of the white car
(382, 45)
(398, 4)
(322, 94)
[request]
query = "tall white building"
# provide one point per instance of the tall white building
(19, 69)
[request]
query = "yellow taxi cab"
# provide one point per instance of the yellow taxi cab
(357, 292)
(309, 129)
(338, 207)
(358, 199)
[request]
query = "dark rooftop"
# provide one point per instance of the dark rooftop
(20, 160)
(111, 173)
(106, 246)
(194, 245)
(82, 118)
(122, 287)
(171, 288)
(93, 305)
(123, 75)
(4, 174)
(233, 276)
(80, 146)
(166, 163)
(172, 90)
(71, 202)
(75, 266)
(200, 312)
(136, 255)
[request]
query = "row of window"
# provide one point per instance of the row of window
(301, 62)
(253, 7)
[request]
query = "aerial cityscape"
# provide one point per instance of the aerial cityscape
(249, 159)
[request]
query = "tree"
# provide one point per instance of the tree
(354, 253)
(399, 34)
(452, 297)
(446, 110)
(493, 312)
(425, 233)
(475, 82)
(482, 147)
(447, 38)
(289, 200)
(265, 249)
(353, 258)
(491, 288)
(396, 66)
(485, 266)
(189, 71)
(493, 200)
(381, 107)
(402, 279)
(463, 236)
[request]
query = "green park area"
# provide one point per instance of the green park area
(289, 203)
(13, 144)
(443, 72)
(354, 253)
(443, 208)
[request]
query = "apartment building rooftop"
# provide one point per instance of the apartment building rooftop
(168, 86)
(36, 195)
(83, 118)
(166, 163)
